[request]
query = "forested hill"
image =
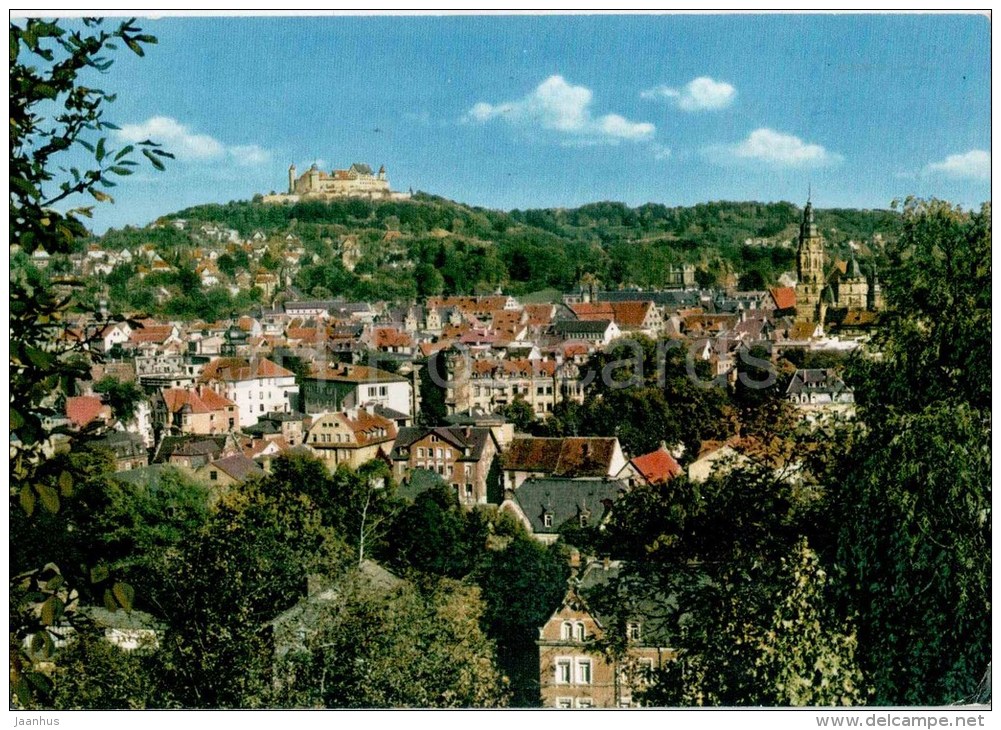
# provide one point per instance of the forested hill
(448, 247)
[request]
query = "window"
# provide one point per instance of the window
(584, 517)
(644, 670)
(383, 391)
(583, 671)
(563, 671)
(585, 702)
(547, 521)
(566, 630)
(262, 408)
(214, 475)
(420, 452)
(633, 631)
(579, 632)
(441, 453)
(469, 490)
(564, 703)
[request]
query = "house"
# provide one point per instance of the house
(127, 449)
(656, 467)
(547, 506)
(257, 386)
(338, 386)
(716, 457)
(114, 334)
(229, 470)
(278, 425)
(572, 672)
(591, 457)
(350, 437)
(643, 317)
(820, 388)
(784, 299)
(193, 451)
(193, 411)
(86, 409)
(461, 455)
(601, 331)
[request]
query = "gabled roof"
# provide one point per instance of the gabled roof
(657, 466)
(816, 380)
(573, 457)
(235, 369)
(202, 400)
(784, 297)
(84, 409)
(564, 500)
(461, 437)
(359, 374)
(238, 466)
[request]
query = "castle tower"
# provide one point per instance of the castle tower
(853, 289)
(314, 179)
(809, 266)
(291, 179)
(875, 298)
(382, 172)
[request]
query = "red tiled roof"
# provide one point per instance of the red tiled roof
(238, 368)
(156, 333)
(566, 457)
(202, 400)
(390, 337)
(84, 409)
(657, 466)
(784, 297)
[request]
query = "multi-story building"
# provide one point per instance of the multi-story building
(572, 672)
(460, 455)
(257, 386)
(350, 437)
(198, 410)
(339, 386)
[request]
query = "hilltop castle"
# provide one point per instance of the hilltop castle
(358, 181)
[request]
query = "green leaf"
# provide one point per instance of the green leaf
(66, 483)
(125, 594)
(16, 419)
(54, 583)
(27, 496)
(38, 642)
(99, 196)
(119, 170)
(99, 152)
(86, 145)
(52, 611)
(98, 573)
(136, 48)
(124, 151)
(49, 497)
(109, 601)
(156, 163)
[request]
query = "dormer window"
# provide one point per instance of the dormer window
(633, 631)
(547, 519)
(584, 517)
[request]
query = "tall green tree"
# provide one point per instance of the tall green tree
(59, 152)
(405, 646)
(914, 503)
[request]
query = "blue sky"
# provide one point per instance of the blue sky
(549, 111)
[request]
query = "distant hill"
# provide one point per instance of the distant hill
(399, 250)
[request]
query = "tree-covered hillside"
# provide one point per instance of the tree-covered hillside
(400, 250)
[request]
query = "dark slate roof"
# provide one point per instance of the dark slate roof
(600, 579)
(391, 414)
(122, 444)
(816, 380)
(361, 168)
(579, 327)
(262, 428)
(571, 457)
(565, 500)
(238, 466)
(170, 444)
(461, 437)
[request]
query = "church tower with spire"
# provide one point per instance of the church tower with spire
(809, 266)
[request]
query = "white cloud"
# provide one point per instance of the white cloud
(250, 155)
(190, 146)
(701, 94)
(776, 149)
(558, 106)
(972, 165)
